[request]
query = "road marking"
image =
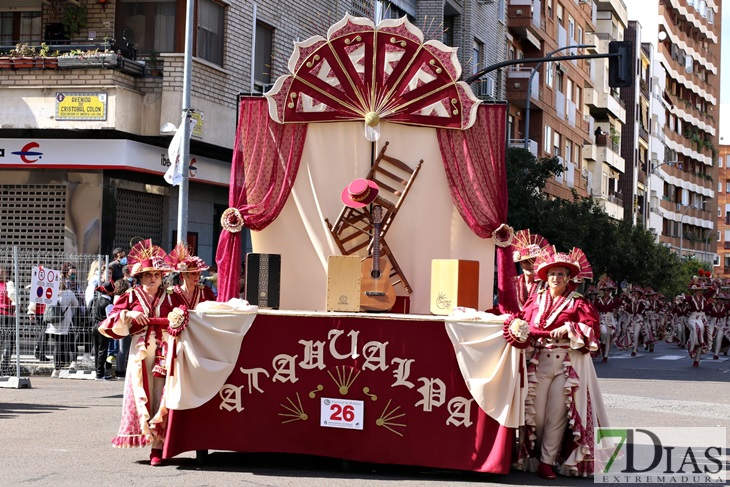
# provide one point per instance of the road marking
(672, 406)
(671, 357)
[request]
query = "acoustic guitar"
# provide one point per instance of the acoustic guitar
(377, 293)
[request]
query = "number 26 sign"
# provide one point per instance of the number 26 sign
(341, 413)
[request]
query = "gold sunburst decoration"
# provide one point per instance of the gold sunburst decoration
(387, 418)
(295, 412)
(344, 378)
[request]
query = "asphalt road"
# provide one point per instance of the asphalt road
(58, 432)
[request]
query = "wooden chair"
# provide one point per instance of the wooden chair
(352, 231)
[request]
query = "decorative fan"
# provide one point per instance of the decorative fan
(586, 271)
(363, 72)
(145, 250)
(527, 245)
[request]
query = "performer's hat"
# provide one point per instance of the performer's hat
(558, 259)
(528, 246)
(146, 257)
(359, 193)
(181, 259)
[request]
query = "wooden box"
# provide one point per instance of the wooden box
(263, 280)
(454, 283)
(343, 283)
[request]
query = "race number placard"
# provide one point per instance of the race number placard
(44, 285)
(341, 413)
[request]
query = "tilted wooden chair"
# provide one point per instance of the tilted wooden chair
(352, 231)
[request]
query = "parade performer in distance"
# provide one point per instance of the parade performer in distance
(190, 292)
(144, 421)
(635, 308)
(715, 321)
(651, 318)
(697, 322)
(527, 247)
(607, 305)
(722, 327)
(562, 327)
(680, 311)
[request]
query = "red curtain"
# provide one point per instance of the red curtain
(476, 170)
(266, 158)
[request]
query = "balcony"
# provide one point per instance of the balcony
(612, 205)
(616, 6)
(525, 20)
(603, 104)
(520, 144)
(608, 151)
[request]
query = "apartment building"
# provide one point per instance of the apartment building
(722, 237)
(686, 34)
(82, 153)
(606, 113)
(547, 100)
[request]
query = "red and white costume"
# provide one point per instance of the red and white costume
(606, 307)
(200, 293)
(562, 384)
(144, 421)
(698, 326)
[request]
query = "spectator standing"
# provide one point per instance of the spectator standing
(7, 323)
(116, 266)
(35, 316)
(93, 280)
(102, 306)
(60, 331)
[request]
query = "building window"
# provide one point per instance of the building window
(727, 186)
(502, 10)
(262, 61)
(23, 27)
(719, 186)
(560, 14)
(550, 8)
(571, 28)
(549, 74)
(719, 161)
(150, 26)
(210, 31)
(548, 139)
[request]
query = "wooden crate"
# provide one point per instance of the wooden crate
(454, 283)
(343, 283)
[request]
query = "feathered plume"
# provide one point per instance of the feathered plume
(586, 271)
(145, 250)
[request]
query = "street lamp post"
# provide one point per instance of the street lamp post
(647, 199)
(681, 223)
(707, 244)
(529, 88)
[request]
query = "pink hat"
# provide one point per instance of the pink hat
(359, 193)
(557, 259)
(528, 246)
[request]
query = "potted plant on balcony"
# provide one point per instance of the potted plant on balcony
(93, 58)
(154, 64)
(23, 56)
(47, 59)
(75, 18)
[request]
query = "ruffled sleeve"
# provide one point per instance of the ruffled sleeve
(583, 330)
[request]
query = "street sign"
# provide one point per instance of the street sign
(44, 285)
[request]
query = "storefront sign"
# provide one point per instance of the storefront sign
(81, 106)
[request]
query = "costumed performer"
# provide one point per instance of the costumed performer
(697, 322)
(635, 308)
(606, 305)
(190, 291)
(563, 391)
(143, 422)
(527, 247)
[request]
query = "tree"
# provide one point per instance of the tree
(626, 252)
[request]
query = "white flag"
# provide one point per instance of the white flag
(174, 174)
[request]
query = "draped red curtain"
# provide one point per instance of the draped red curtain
(476, 170)
(266, 158)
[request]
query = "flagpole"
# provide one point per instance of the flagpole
(182, 204)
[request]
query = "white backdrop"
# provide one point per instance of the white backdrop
(427, 227)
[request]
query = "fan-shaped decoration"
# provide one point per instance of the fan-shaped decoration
(528, 245)
(368, 73)
(144, 256)
(605, 282)
(586, 271)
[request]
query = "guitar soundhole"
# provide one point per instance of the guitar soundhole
(375, 274)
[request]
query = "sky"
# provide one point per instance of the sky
(725, 77)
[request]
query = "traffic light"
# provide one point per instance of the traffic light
(621, 67)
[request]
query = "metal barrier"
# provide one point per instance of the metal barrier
(25, 346)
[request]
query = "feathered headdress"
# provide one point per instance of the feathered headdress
(586, 271)
(181, 259)
(605, 282)
(145, 257)
(527, 245)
